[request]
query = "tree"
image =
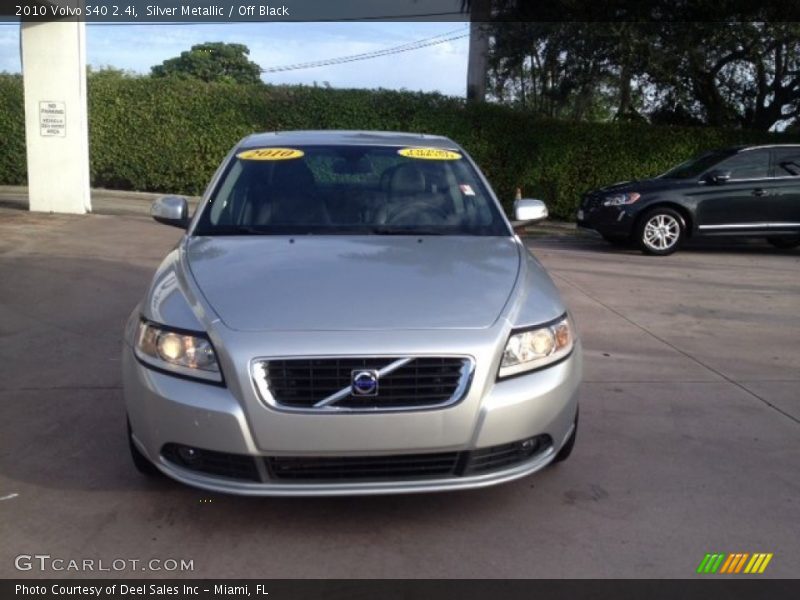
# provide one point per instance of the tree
(731, 75)
(212, 61)
(569, 60)
(109, 73)
(554, 69)
(722, 63)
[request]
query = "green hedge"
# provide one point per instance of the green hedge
(12, 131)
(169, 135)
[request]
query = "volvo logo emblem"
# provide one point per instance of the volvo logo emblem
(364, 382)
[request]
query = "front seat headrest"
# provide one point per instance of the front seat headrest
(407, 179)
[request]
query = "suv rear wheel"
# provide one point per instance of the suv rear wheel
(660, 231)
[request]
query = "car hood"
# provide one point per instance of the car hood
(261, 283)
(642, 186)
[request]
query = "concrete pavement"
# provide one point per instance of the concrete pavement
(689, 439)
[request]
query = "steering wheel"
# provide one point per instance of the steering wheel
(422, 213)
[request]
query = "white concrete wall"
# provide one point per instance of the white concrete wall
(54, 70)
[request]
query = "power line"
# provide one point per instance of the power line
(407, 47)
(435, 40)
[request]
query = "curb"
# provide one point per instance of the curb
(104, 201)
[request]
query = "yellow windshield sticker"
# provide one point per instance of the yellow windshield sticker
(270, 154)
(429, 153)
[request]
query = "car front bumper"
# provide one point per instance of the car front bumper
(164, 409)
(607, 220)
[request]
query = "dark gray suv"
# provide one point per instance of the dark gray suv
(751, 191)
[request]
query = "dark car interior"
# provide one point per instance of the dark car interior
(347, 190)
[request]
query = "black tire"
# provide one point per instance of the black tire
(660, 231)
(140, 461)
(784, 243)
(566, 449)
(617, 240)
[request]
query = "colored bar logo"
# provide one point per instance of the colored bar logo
(731, 564)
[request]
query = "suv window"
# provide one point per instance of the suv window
(696, 166)
(787, 161)
(750, 164)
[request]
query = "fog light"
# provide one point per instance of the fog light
(529, 446)
(188, 455)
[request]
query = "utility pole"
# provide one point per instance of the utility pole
(477, 67)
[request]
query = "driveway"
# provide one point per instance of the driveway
(689, 440)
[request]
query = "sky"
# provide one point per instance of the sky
(441, 68)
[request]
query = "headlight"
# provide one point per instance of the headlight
(179, 352)
(621, 199)
(537, 347)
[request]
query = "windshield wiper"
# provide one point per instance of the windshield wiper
(384, 230)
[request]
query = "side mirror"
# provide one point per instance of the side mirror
(171, 210)
(528, 210)
(718, 176)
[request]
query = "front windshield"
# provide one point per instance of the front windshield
(693, 168)
(332, 190)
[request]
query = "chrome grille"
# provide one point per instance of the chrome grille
(404, 383)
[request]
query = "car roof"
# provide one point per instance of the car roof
(335, 137)
(761, 146)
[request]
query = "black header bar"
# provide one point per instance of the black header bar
(233, 11)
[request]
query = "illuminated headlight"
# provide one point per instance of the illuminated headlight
(621, 199)
(537, 347)
(179, 352)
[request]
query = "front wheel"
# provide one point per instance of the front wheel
(660, 232)
(784, 243)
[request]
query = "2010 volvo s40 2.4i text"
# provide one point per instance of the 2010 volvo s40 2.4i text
(349, 313)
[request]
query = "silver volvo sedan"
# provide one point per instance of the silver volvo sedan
(349, 313)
